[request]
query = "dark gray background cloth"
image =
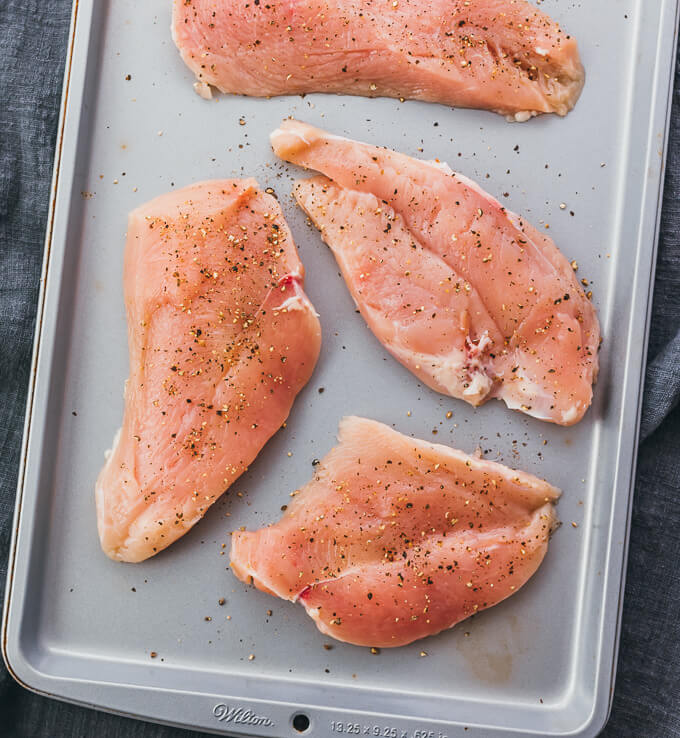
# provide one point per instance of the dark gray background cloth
(33, 36)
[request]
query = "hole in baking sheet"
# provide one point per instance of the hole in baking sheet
(301, 722)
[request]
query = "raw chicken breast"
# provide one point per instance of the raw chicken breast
(470, 297)
(395, 539)
(222, 338)
(508, 57)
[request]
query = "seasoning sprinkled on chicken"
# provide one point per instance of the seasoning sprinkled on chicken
(222, 338)
(470, 297)
(395, 539)
(502, 55)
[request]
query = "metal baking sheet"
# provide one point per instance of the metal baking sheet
(82, 628)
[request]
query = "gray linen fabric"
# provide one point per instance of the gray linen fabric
(33, 36)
